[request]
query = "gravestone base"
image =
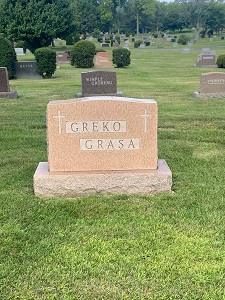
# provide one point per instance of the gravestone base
(80, 95)
(12, 94)
(209, 95)
(114, 182)
(207, 66)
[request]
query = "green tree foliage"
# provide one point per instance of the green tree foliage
(140, 12)
(7, 56)
(221, 61)
(87, 15)
(82, 54)
(36, 22)
(173, 18)
(183, 39)
(216, 18)
(46, 61)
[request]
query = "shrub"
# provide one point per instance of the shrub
(7, 56)
(96, 33)
(46, 61)
(69, 39)
(137, 43)
(183, 39)
(147, 43)
(121, 57)
(221, 61)
(117, 38)
(82, 54)
(202, 34)
(210, 32)
(99, 50)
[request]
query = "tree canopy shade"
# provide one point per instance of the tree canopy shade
(37, 22)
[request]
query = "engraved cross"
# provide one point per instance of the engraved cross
(145, 120)
(59, 117)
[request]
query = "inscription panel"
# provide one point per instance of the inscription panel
(95, 126)
(109, 144)
(102, 133)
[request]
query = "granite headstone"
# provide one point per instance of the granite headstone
(26, 70)
(4, 85)
(102, 145)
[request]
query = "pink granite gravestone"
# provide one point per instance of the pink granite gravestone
(102, 145)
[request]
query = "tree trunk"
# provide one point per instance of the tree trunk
(137, 22)
(197, 29)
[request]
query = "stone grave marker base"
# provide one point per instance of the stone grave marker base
(209, 95)
(12, 94)
(109, 182)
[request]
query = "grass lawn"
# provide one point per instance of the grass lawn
(168, 246)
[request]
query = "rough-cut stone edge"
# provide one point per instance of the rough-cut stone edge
(207, 66)
(12, 94)
(74, 185)
(209, 95)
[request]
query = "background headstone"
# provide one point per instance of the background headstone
(4, 82)
(99, 83)
(102, 60)
(26, 70)
(186, 51)
(206, 60)
(62, 58)
(19, 51)
(212, 85)
(4, 85)
(104, 45)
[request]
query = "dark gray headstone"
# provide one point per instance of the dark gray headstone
(104, 45)
(102, 83)
(4, 85)
(4, 82)
(26, 70)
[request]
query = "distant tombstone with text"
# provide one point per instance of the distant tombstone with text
(26, 70)
(206, 60)
(104, 144)
(212, 85)
(103, 83)
(62, 58)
